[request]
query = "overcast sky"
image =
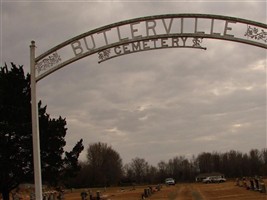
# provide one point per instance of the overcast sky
(155, 104)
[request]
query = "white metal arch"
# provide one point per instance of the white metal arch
(142, 34)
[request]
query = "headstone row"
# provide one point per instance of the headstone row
(149, 191)
(52, 195)
(89, 196)
(252, 183)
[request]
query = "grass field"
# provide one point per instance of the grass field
(183, 191)
(193, 191)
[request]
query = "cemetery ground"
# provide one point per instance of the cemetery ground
(181, 191)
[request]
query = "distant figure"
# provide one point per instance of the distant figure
(252, 187)
(256, 183)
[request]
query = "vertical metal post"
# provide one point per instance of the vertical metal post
(35, 128)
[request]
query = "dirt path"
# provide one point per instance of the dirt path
(188, 192)
(184, 193)
(178, 192)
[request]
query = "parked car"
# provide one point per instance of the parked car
(169, 181)
(214, 179)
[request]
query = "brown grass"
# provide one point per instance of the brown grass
(185, 191)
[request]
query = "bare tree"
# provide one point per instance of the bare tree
(140, 168)
(105, 165)
(162, 171)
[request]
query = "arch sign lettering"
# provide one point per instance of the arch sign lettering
(137, 35)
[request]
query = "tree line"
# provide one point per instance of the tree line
(103, 167)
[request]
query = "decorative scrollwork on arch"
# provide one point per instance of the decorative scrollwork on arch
(196, 42)
(48, 62)
(103, 55)
(254, 33)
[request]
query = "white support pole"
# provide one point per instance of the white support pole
(35, 128)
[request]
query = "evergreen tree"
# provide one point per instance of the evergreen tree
(15, 127)
(16, 159)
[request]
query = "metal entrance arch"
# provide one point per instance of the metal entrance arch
(136, 35)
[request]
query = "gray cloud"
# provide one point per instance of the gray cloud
(155, 104)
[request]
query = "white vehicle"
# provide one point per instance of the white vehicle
(169, 181)
(214, 179)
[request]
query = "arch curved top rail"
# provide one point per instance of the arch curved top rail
(148, 33)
